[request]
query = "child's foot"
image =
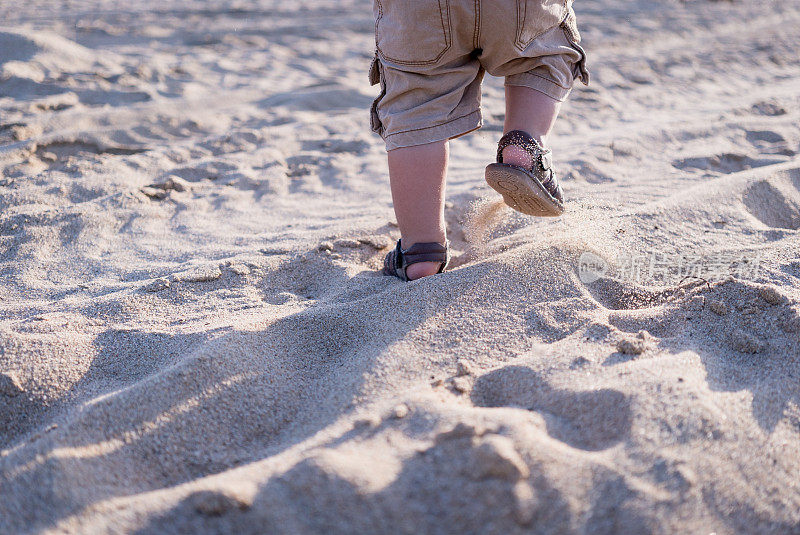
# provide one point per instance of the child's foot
(423, 269)
(523, 175)
(419, 260)
(514, 155)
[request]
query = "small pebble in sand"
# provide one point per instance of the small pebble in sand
(10, 385)
(742, 341)
(216, 503)
(635, 345)
(401, 411)
(348, 243)
(717, 307)
(462, 384)
(157, 285)
(376, 242)
(154, 193)
(771, 295)
(238, 268)
(201, 274)
(496, 457)
(463, 367)
(175, 183)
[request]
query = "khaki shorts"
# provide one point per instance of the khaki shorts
(432, 55)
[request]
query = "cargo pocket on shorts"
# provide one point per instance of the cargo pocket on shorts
(413, 32)
(376, 77)
(570, 28)
(535, 17)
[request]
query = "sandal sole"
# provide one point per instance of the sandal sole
(521, 191)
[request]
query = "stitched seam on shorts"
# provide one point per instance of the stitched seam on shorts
(434, 126)
(476, 35)
(448, 37)
(569, 30)
(570, 36)
(543, 78)
(380, 16)
(521, 21)
(581, 64)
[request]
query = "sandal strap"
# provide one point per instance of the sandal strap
(539, 155)
(425, 252)
(525, 141)
(399, 259)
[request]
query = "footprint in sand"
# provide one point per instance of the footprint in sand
(589, 420)
(775, 201)
(720, 163)
(620, 295)
(769, 108)
(60, 151)
(770, 142)
(320, 98)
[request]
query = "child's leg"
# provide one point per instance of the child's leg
(417, 175)
(530, 111)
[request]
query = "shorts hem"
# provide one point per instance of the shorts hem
(431, 134)
(540, 84)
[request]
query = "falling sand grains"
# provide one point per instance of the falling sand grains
(484, 216)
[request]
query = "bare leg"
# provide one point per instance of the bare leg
(417, 175)
(530, 111)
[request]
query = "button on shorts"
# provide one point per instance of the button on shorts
(431, 56)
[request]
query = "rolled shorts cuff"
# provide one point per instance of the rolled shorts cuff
(540, 84)
(421, 136)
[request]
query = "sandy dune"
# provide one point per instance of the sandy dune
(194, 337)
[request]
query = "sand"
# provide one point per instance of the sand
(194, 336)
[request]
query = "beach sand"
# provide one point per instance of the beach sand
(194, 336)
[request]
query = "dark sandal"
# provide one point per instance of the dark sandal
(531, 191)
(399, 259)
